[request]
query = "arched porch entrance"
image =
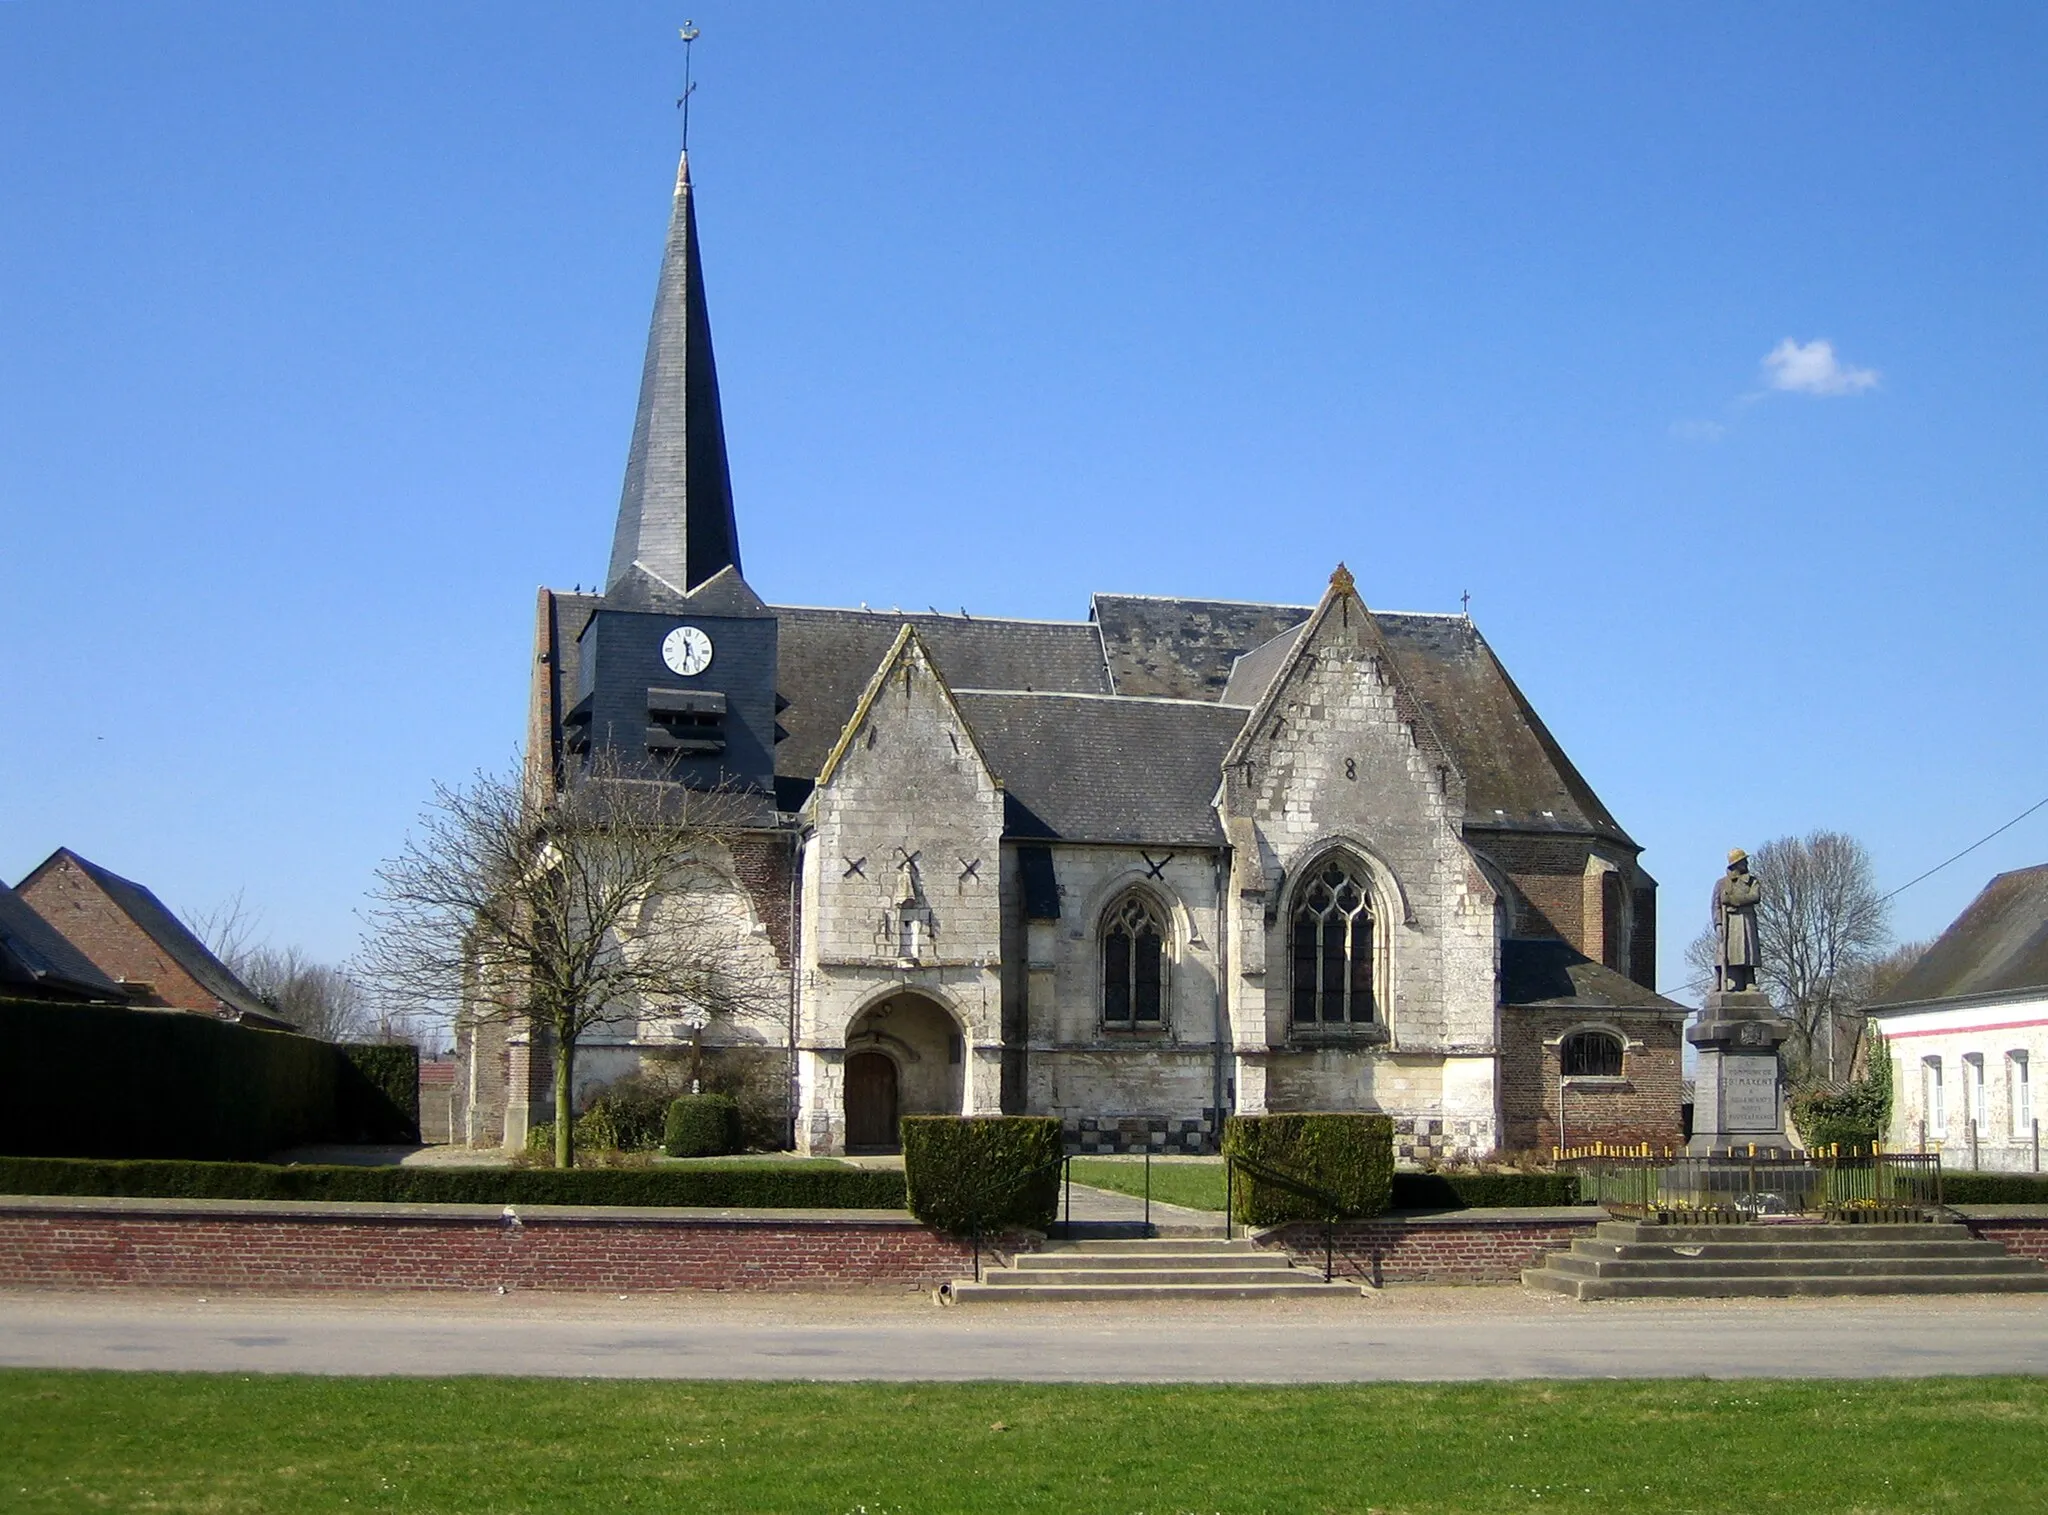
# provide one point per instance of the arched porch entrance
(904, 1056)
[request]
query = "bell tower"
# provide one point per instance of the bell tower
(677, 665)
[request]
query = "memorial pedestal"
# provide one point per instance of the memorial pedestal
(1738, 1088)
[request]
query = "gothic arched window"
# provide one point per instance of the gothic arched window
(1590, 1054)
(1133, 964)
(1333, 947)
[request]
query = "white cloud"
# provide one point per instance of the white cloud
(1811, 368)
(1698, 431)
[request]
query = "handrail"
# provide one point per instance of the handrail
(1332, 1202)
(1060, 1162)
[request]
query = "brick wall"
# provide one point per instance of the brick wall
(203, 1244)
(2021, 1235)
(1472, 1247)
(1641, 1106)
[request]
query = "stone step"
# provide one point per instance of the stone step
(1775, 1231)
(1300, 1285)
(1586, 1246)
(1134, 1246)
(1028, 1278)
(1789, 1267)
(1818, 1285)
(1054, 1262)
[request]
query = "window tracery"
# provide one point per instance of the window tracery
(1332, 939)
(1134, 965)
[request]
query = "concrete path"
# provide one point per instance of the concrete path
(1415, 1334)
(1086, 1205)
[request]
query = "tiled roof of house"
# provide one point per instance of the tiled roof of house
(35, 955)
(157, 922)
(1996, 947)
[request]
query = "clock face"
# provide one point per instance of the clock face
(686, 650)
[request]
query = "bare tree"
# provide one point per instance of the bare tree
(564, 912)
(228, 929)
(318, 998)
(1822, 930)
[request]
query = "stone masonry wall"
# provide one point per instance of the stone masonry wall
(1342, 757)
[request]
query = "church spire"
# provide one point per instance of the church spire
(675, 515)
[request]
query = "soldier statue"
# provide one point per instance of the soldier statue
(1735, 946)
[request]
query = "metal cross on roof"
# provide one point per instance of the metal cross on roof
(689, 34)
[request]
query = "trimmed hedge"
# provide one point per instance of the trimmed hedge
(109, 1081)
(1994, 1188)
(1483, 1191)
(986, 1172)
(1350, 1155)
(377, 1098)
(768, 1187)
(702, 1125)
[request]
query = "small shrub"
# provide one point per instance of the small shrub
(757, 1079)
(702, 1125)
(1350, 1156)
(985, 1172)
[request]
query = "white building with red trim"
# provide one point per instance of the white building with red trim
(1967, 1030)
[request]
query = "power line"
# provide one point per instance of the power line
(1701, 981)
(1969, 849)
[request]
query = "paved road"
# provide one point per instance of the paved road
(1415, 1334)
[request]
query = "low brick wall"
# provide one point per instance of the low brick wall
(1446, 1247)
(276, 1245)
(2021, 1229)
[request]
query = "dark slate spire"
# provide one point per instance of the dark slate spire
(675, 514)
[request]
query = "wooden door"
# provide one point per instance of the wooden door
(870, 1102)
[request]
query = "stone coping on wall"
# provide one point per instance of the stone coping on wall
(366, 1211)
(2001, 1212)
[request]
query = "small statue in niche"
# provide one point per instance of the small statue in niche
(1736, 894)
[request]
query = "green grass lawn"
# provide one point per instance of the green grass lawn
(1196, 1184)
(303, 1446)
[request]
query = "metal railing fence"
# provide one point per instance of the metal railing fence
(1745, 1185)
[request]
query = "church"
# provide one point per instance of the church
(1169, 861)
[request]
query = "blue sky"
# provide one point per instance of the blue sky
(320, 327)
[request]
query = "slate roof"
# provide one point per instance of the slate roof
(36, 955)
(1556, 975)
(675, 527)
(168, 932)
(1226, 652)
(1183, 649)
(1516, 775)
(1997, 947)
(826, 658)
(1101, 769)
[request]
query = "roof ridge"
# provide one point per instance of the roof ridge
(1110, 699)
(938, 615)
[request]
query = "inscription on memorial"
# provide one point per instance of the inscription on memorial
(1749, 1093)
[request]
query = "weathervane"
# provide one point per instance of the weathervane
(689, 36)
